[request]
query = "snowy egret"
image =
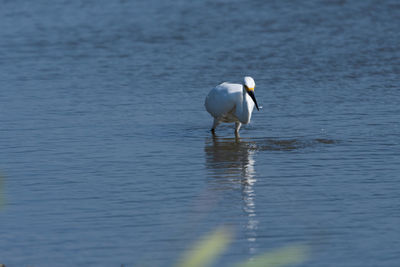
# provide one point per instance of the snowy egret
(230, 102)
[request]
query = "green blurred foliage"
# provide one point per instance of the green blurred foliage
(207, 250)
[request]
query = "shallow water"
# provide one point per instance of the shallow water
(107, 158)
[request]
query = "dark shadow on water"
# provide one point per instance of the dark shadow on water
(234, 146)
(288, 144)
(233, 158)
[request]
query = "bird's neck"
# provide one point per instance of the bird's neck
(245, 109)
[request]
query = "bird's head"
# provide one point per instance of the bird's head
(249, 85)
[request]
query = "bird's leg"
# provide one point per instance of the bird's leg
(215, 124)
(237, 137)
(237, 127)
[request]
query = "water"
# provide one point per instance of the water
(107, 157)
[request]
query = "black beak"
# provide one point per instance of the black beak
(251, 94)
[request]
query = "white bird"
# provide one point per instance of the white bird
(230, 102)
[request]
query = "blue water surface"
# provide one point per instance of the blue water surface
(106, 155)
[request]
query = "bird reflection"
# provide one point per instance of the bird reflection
(231, 159)
(230, 162)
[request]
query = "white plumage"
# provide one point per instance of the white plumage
(229, 102)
